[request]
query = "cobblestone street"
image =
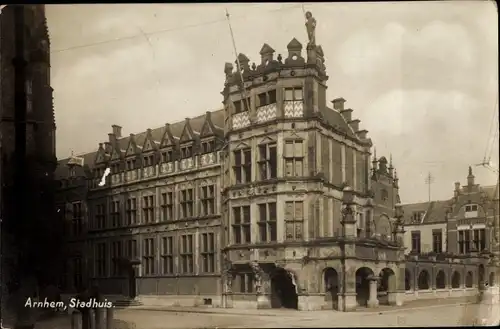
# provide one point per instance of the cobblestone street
(430, 315)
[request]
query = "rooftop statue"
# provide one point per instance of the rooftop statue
(311, 28)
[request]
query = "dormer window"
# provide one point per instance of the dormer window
(207, 147)
(115, 168)
(267, 98)
(294, 94)
(148, 160)
(186, 152)
(99, 172)
(471, 210)
(241, 105)
(166, 156)
(130, 164)
(417, 216)
(72, 172)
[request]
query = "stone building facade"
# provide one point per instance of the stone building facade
(40, 125)
(276, 200)
(452, 246)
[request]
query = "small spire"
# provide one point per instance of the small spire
(395, 174)
(390, 161)
(470, 171)
(374, 154)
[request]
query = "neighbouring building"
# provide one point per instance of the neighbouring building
(40, 132)
(273, 201)
(463, 229)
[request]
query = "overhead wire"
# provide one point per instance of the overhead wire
(184, 27)
(490, 141)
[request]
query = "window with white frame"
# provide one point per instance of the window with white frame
(167, 206)
(267, 222)
(207, 200)
(187, 203)
(243, 166)
(294, 94)
(471, 210)
(267, 161)
(148, 209)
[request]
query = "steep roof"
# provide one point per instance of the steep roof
(217, 118)
(432, 212)
(335, 119)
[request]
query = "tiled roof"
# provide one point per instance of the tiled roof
(433, 212)
(217, 118)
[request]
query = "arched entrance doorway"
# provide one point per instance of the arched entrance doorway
(424, 280)
(408, 280)
(469, 280)
(283, 290)
(387, 285)
(363, 285)
(331, 281)
(455, 280)
(492, 279)
(440, 280)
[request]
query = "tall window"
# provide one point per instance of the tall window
(131, 250)
(465, 240)
(267, 222)
(294, 220)
(166, 156)
(116, 254)
(77, 220)
(207, 253)
(415, 241)
(148, 160)
(131, 211)
(479, 239)
(101, 259)
(241, 225)
(130, 164)
(115, 168)
(149, 256)
(243, 166)
(267, 161)
(187, 255)
(267, 98)
(294, 158)
(101, 216)
(207, 200)
(246, 281)
(241, 105)
(115, 214)
(29, 95)
(437, 241)
(167, 206)
(294, 94)
(187, 203)
(167, 255)
(148, 209)
(207, 147)
(186, 152)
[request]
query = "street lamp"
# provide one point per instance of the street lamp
(348, 196)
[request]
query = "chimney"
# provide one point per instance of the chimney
(457, 189)
(354, 124)
(107, 147)
(111, 137)
(338, 104)
(208, 115)
(470, 177)
(346, 114)
(362, 134)
(117, 131)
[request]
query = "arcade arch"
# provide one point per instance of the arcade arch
(440, 280)
(455, 280)
(424, 280)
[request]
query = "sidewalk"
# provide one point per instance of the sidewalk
(291, 313)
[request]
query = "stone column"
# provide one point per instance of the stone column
(227, 283)
(373, 300)
(397, 289)
(347, 290)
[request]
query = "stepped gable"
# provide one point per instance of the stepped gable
(217, 118)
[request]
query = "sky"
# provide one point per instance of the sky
(421, 76)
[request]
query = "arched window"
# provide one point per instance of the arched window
(455, 280)
(469, 279)
(440, 280)
(423, 280)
